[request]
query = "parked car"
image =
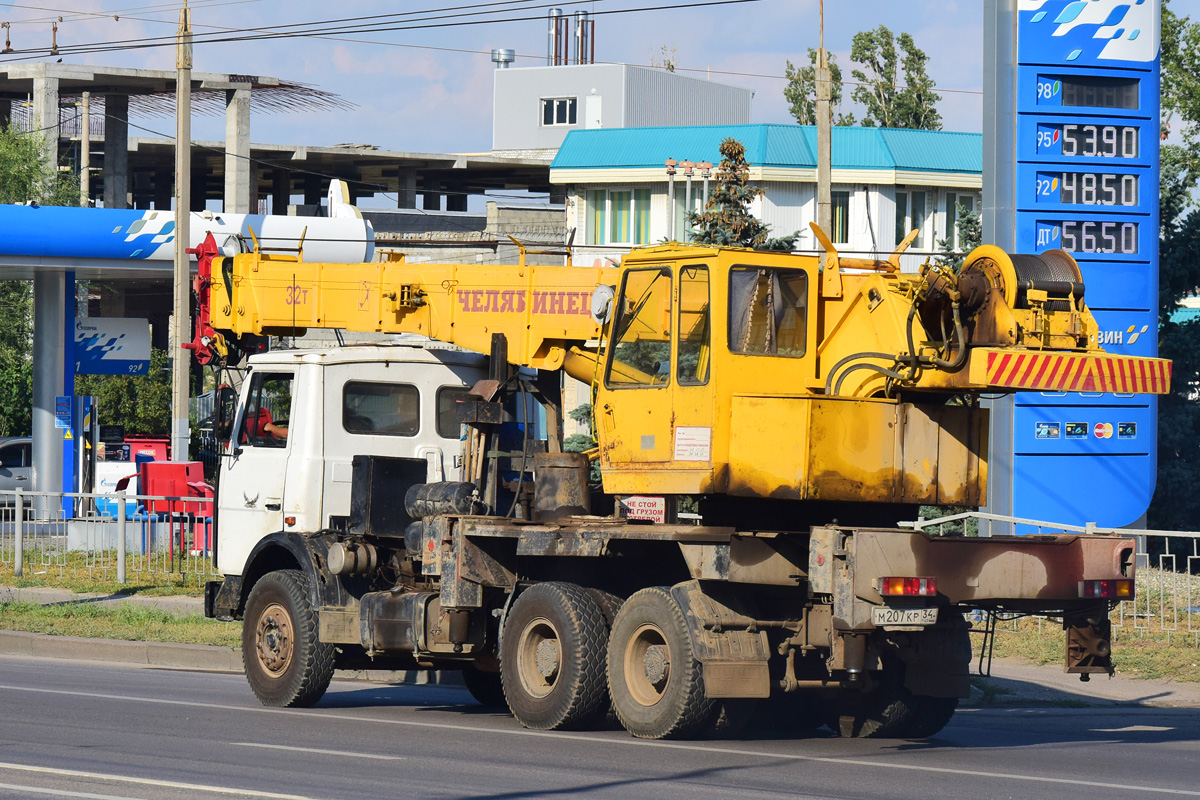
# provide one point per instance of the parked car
(16, 465)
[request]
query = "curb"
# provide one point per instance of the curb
(186, 656)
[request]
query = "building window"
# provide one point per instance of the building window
(621, 206)
(559, 111)
(618, 216)
(841, 217)
(910, 216)
(597, 201)
(953, 201)
(641, 216)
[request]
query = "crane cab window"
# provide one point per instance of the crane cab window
(381, 409)
(694, 348)
(641, 340)
(268, 409)
(768, 311)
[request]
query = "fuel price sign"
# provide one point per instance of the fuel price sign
(1087, 108)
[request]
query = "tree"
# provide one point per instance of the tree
(801, 91)
(27, 175)
(142, 403)
(1176, 505)
(894, 88)
(970, 236)
(726, 220)
(668, 60)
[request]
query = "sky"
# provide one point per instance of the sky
(413, 90)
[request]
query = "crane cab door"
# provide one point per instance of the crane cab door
(655, 410)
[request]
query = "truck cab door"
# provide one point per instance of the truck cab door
(655, 410)
(252, 482)
(633, 416)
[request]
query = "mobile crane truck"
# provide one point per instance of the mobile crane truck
(376, 506)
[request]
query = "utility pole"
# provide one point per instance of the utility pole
(180, 359)
(85, 152)
(824, 136)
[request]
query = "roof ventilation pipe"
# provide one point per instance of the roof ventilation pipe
(585, 42)
(502, 57)
(557, 41)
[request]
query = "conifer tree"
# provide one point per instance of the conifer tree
(726, 220)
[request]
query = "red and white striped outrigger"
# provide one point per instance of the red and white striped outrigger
(1069, 372)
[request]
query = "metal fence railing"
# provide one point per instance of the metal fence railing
(1166, 578)
(123, 537)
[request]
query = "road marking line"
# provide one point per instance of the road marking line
(63, 792)
(196, 787)
(577, 737)
(346, 753)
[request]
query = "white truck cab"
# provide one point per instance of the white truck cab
(304, 414)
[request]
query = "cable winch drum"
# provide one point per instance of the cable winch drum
(1054, 272)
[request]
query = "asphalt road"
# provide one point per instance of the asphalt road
(93, 730)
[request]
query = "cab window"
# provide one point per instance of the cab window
(448, 398)
(268, 410)
(693, 326)
(381, 409)
(768, 311)
(641, 340)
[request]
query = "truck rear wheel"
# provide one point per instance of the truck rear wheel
(284, 661)
(552, 658)
(932, 714)
(484, 686)
(655, 681)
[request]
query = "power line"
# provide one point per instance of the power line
(263, 33)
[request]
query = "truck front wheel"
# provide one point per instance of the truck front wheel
(655, 681)
(552, 658)
(285, 663)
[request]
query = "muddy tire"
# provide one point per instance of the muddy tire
(552, 658)
(931, 715)
(486, 687)
(887, 711)
(284, 661)
(730, 718)
(792, 713)
(654, 679)
(608, 603)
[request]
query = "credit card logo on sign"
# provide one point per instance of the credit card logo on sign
(1046, 430)
(1126, 430)
(1076, 430)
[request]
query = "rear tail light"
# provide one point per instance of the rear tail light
(1115, 589)
(908, 587)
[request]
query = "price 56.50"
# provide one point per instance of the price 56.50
(1100, 237)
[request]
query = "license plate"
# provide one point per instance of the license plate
(884, 616)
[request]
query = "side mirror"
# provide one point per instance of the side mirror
(224, 411)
